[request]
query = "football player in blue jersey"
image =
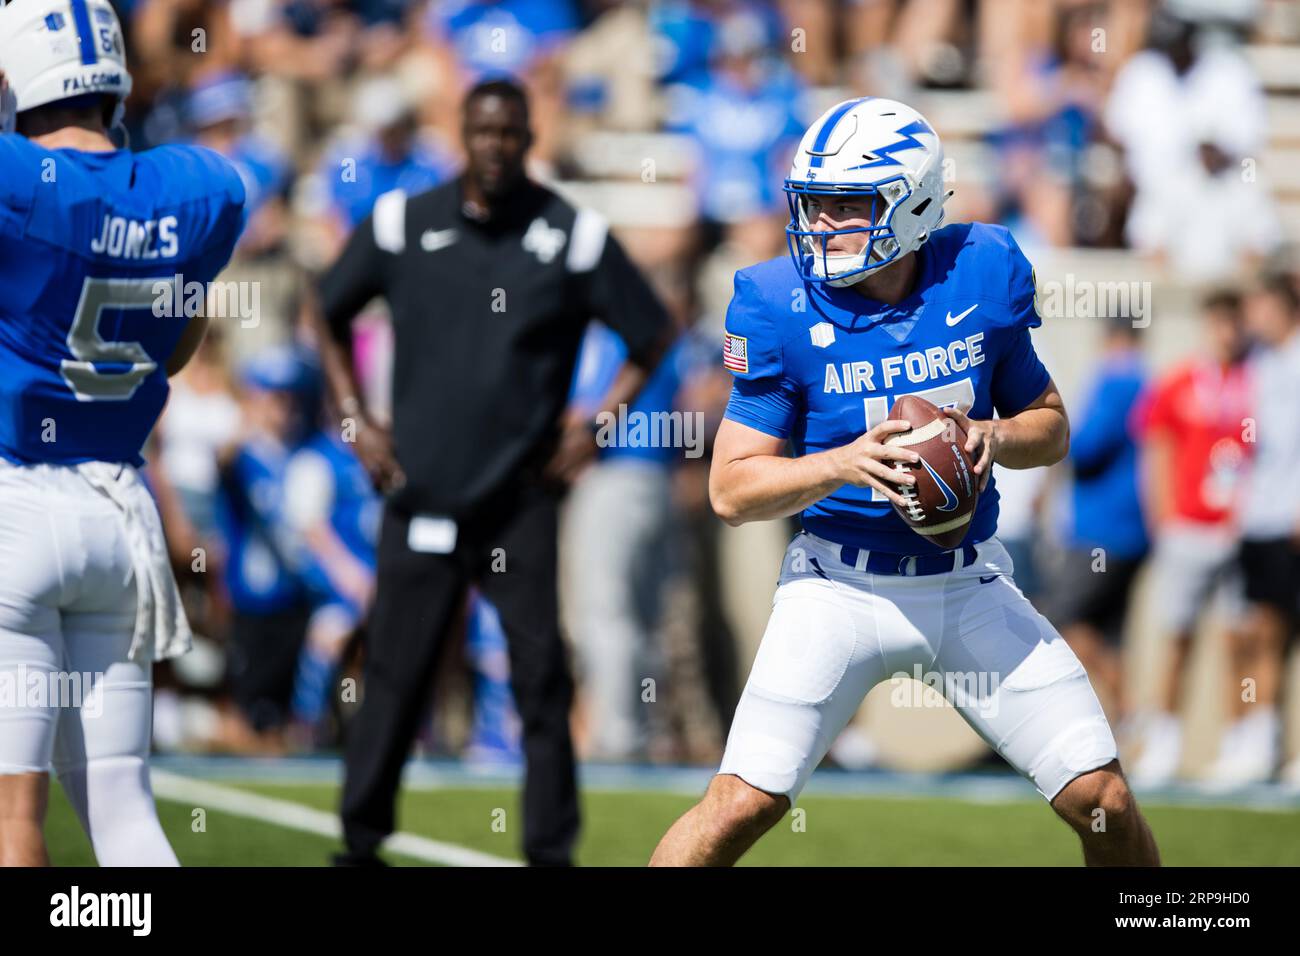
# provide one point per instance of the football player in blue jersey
(93, 240)
(876, 301)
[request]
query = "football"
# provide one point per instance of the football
(941, 503)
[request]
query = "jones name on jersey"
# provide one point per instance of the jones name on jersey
(87, 240)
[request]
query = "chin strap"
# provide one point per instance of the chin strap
(117, 131)
(8, 108)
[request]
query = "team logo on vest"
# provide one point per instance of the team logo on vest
(543, 241)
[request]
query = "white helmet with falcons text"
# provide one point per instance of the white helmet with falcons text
(53, 50)
(866, 147)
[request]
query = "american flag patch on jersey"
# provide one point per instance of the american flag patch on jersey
(735, 352)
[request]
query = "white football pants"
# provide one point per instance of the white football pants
(69, 696)
(836, 632)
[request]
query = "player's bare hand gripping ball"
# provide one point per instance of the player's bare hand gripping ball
(867, 462)
(982, 440)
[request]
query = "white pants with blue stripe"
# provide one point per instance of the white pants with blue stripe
(836, 632)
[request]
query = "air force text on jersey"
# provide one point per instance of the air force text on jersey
(933, 364)
(824, 374)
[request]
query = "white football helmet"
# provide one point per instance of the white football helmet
(53, 50)
(866, 147)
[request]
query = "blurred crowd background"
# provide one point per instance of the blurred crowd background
(1153, 146)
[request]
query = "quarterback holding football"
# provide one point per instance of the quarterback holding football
(880, 350)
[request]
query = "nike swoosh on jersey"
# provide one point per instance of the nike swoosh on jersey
(989, 579)
(953, 320)
(435, 239)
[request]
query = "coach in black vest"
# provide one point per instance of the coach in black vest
(491, 280)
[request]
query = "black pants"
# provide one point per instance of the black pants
(509, 550)
(262, 661)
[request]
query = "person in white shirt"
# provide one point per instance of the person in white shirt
(1269, 517)
(1189, 113)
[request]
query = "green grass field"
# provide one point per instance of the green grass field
(621, 828)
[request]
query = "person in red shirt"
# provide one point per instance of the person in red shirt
(1193, 456)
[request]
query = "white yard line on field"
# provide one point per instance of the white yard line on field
(295, 816)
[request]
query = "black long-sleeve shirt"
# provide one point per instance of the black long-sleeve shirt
(488, 318)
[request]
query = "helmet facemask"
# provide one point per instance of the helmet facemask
(808, 247)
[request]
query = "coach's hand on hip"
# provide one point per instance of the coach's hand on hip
(576, 448)
(374, 448)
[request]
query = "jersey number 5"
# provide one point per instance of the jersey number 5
(88, 383)
(959, 395)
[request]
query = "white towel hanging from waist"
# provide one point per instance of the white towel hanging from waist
(161, 628)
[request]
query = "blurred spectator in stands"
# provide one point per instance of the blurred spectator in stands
(744, 117)
(313, 40)
(1189, 114)
(1269, 515)
(495, 736)
(503, 36)
(307, 51)
(262, 568)
(219, 113)
(1107, 538)
(472, 40)
(898, 44)
(808, 31)
(200, 424)
(1193, 460)
(619, 525)
(175, 44)
(1053, 97)
(687, 35)
(333, 512)
(707, 672)
(1020, 501)
(387, 152)
(610, 71)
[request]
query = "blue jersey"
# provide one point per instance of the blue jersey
(494, 37)
(373, 174)
(601, 357)
(90, 245)
(1104, 455)
(327, 482)
(821, 366)
(265, 171)
(262, 564)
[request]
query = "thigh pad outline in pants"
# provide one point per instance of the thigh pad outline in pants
(67, 615)
(814, 666)
(1016, 682)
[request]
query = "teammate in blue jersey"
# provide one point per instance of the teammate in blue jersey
(92, 238)
(876, 301)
